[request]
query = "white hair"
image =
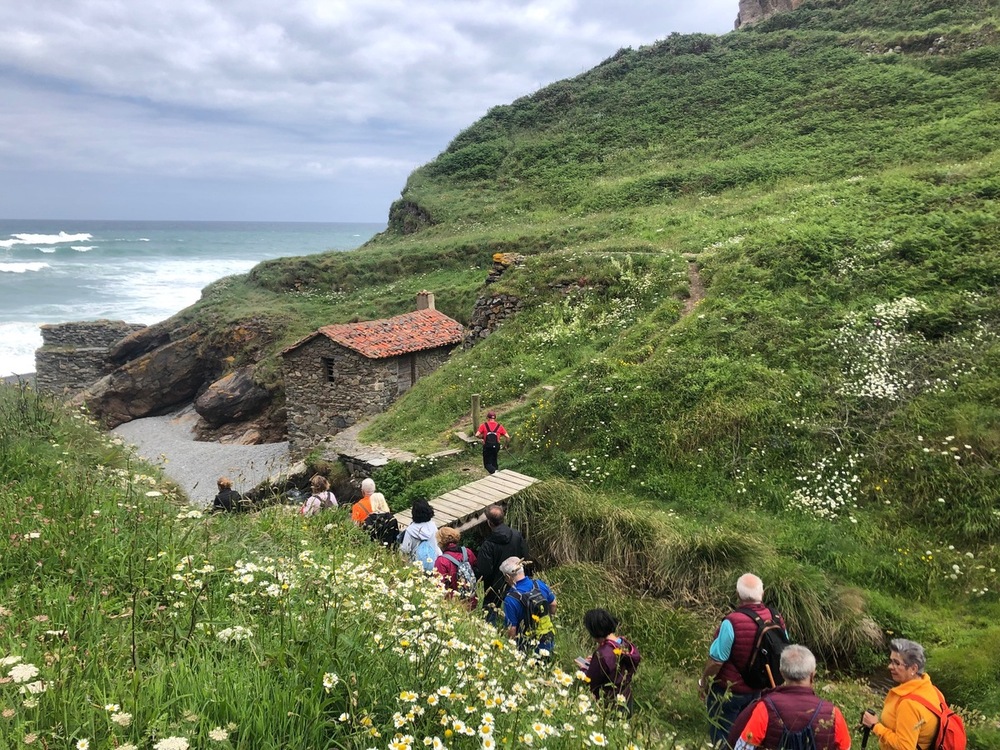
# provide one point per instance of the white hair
(367, 486)
(749, 588)
(510, 566)
(379, 505)
(797, 663)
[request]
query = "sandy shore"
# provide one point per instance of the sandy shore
(195, 466)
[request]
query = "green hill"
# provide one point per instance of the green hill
(761, 278)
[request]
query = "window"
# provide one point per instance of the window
(330, 368)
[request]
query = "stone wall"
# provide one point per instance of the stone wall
(361, 387)
(74, 355)
(487, 315)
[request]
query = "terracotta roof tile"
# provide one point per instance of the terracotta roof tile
(402, 334)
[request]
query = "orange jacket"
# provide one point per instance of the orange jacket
(906, 724)
(361, 510)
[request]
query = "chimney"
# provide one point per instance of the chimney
(425, 300)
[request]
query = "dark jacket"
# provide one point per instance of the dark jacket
(611, 673)
(796, 704)
(503, 542)
(745, 633)
(228, 500)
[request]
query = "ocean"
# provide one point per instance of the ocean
(136, 271)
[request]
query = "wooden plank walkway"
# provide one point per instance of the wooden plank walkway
(463, 507)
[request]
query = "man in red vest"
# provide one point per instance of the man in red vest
(791, 707)
(722, 686)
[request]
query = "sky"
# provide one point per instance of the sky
(276, 110)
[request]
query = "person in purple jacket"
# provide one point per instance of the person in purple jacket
(612, 666)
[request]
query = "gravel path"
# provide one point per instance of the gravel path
(169, 442)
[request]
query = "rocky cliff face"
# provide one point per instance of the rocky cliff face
(753, 11)
(164, 366)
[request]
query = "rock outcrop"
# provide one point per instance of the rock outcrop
(168, 376)
(754, 11)
(233, 398)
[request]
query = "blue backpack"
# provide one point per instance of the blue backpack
(425, 553)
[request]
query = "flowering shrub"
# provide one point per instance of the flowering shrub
(873, 348)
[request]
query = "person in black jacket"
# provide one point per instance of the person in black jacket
(501, 543)
(228, 499)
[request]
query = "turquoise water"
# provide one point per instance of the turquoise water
(137, 271)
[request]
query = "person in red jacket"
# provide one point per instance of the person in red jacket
(452, 555)
(491, 433)
(791, 706)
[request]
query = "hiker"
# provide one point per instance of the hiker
(491, 433)
(723, 684)
(228, 499)
(363, 506)
(456, 566)
(381, 524)
(502, 542)
(612, 666)
(320, 499)
(792, 708)
(528, 608)
(419, 542)
(906, 723)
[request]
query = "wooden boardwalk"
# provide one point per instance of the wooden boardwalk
(463, 508)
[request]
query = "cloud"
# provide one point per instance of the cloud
(295, 89)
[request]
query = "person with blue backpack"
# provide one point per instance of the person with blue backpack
(456, 566)
(419, 542)
(791, 716)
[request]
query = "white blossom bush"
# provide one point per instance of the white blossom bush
(828, 486)
(872, 348)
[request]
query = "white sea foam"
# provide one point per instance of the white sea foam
(18, 341)
(82, 248)
(22, 267)
(46, 250)
(45, 239)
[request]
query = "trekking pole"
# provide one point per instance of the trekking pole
(770, 677)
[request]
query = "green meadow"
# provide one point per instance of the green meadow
(760, 330)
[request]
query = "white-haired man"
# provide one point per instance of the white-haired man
(363, 507)
(792, 707)
(723, 684)
(528, 608)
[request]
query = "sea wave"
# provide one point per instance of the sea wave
(82, 248)
(22, 267)
(45, 239)
(18, 341)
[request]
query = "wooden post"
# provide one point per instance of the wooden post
(475, 413)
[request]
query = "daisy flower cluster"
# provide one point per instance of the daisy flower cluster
(828, 485)
(407, 668)
(873, 347)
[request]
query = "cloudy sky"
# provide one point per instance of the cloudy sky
(283, 110)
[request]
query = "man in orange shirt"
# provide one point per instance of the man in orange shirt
(791, 708)
(363, 507)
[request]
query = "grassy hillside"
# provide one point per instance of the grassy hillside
(826, 412)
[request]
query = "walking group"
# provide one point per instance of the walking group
(757, 687)
(758, 690)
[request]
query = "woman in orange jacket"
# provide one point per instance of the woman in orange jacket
(905, 723)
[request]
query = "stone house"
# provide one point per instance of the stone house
(344, 373)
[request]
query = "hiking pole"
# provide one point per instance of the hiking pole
(770, 677)
(866, 731)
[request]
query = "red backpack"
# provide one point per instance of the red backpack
(951, 729)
